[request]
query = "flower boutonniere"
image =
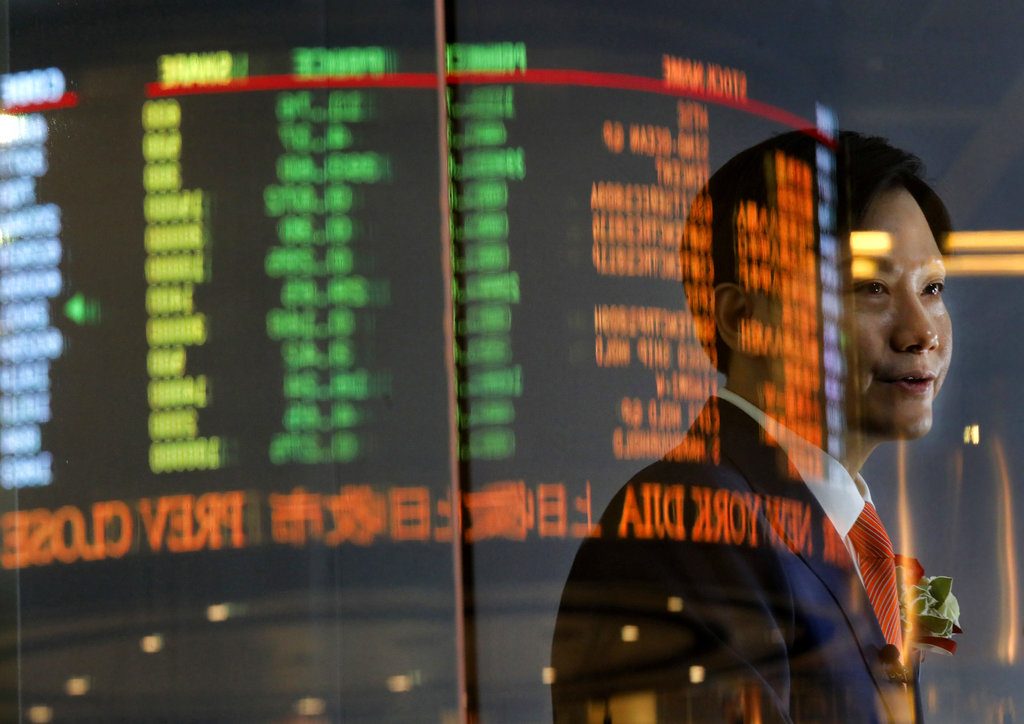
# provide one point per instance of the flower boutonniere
(929, 611)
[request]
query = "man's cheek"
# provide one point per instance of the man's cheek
(863, 357)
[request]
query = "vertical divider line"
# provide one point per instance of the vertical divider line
(454, 466)
(906, 537)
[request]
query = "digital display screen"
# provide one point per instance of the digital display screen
(329, 332)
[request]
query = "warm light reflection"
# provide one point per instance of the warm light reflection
(547, 675)
(906, 536)
(870, 243)
(972, 435)
(151, 644)
(1003, 711)
(636, 707)
(40, 714)
(985, 265)
(675, 604)
(399, 684)
(218, 612)
(630, 633)
(863, 268)
(78, 685)
(696, 674)
(975, 241)
(310, 706)
(1009, 614)
(752, 704)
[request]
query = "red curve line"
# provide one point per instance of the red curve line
(553, 77)
(68, 100)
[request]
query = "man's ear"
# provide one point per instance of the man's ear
(731, 305)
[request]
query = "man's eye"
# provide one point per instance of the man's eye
(871, 289)
(934, 289)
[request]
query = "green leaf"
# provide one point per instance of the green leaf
(936, 625)
(950, 609)
(940, 586)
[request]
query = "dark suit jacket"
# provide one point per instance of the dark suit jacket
(718, 590)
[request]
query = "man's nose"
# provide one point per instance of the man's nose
(914, 329)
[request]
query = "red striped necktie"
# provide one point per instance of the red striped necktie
(878, 569)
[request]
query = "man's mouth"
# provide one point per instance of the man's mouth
(916, 382)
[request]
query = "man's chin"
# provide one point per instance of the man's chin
(895, 427)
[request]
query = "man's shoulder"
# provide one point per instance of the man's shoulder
(725, 501)
(724, 453)
(666, 485)
(680, 575)
(722, 561)
(713, 450)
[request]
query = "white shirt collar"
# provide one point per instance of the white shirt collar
(841, 496)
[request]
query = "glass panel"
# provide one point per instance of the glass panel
(330, 331)
(227, 438)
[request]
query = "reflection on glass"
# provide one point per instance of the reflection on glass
(781, 578)
(1009, 605)
(328, 331)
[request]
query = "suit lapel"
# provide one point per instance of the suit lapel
(768, 472)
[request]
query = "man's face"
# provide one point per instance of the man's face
(902, 337)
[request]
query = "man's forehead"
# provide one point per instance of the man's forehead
(866, 266)
(885, 252)
(870, 243)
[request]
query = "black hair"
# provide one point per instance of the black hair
(873, 166)
(866, 167)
